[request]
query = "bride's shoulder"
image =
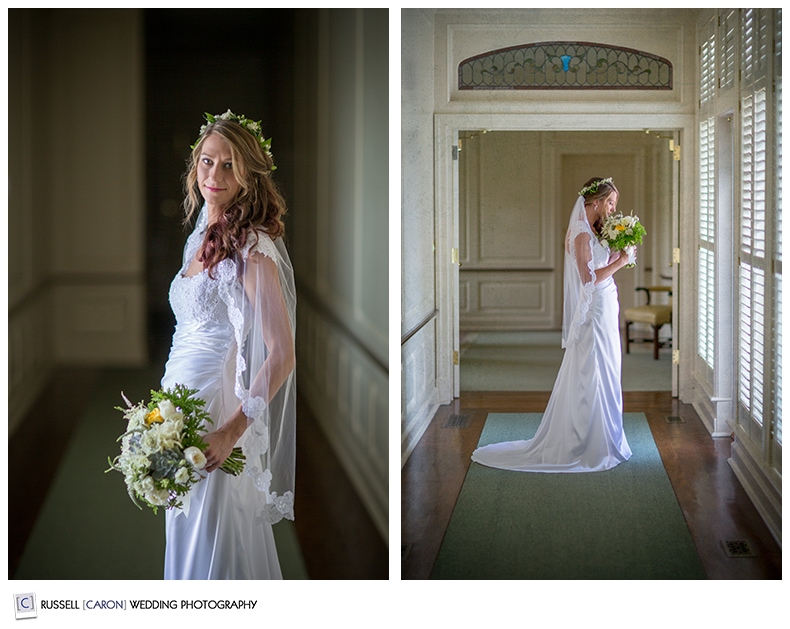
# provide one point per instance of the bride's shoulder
(258, 241)
(579, 228)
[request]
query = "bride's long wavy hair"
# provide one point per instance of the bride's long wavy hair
(602, 193)
(258, 204)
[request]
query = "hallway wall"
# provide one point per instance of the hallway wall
(420, 363)
(340, 238)
(76, 284)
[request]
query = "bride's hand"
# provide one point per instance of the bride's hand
(616, 256)
(222, 441)
(220, 445)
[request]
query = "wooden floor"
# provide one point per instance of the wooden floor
(713, 502)
(337, 537)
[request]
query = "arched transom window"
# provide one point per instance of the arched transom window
(565, 65)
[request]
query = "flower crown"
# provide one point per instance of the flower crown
(593, 187)
(251, 125)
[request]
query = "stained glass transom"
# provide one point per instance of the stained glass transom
(565, 65)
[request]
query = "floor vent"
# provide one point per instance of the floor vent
(456, 421)
(738, 548)
(675, 419)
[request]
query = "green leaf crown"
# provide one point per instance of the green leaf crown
(593, 187)
(253, 126)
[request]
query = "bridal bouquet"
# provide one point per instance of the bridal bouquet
(620, 232)
(162, 448)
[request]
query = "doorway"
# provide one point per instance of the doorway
(648, 181)
(511, 234)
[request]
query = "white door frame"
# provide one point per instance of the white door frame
(446, 129)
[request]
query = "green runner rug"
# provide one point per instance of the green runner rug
(623, 523)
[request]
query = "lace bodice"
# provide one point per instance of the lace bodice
(196, 298)
(600, 254)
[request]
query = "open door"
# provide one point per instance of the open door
(675, 183)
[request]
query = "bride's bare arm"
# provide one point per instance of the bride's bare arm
(617, 261)
(262, 283)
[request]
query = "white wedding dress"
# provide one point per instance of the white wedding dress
(582, 427)
(224, 530)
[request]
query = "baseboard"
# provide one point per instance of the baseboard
(766, 498)
(413, 433)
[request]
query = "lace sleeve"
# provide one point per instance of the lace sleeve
(583, 257)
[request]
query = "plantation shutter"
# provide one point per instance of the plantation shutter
(777, 223)
(706, 261)
(759, 286)
(707, 69)
(728, 59)
(707, 195)
(752, 254)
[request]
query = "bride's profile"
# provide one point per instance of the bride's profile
(582, 427)
(234, 302)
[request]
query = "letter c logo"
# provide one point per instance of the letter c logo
(25, 605)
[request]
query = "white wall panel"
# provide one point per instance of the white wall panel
(340, 240)
(347, 391)
(99, 325)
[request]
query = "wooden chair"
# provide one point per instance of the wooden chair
(654, 315)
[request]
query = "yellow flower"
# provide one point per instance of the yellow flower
(620, 228)
(153, 417)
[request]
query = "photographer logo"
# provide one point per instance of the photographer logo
(25, 605)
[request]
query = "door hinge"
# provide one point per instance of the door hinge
(676, 256)
(675, 356)
(676, 152)
(455, 358)
(455, 152)
(456, 259)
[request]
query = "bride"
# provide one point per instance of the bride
(234, 302)
(582, 427)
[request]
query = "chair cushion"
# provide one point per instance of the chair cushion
(654, 315)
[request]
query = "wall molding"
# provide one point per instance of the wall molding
(347, 390)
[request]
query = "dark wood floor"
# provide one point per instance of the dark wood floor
(337, 537)
(713, 502)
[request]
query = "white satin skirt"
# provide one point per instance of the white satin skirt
(215, 535)
(582, 427)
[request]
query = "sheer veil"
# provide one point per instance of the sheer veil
(257, 287)
(579, 274)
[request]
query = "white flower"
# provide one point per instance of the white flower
(170, 432)
(195, 457)
(182, 476)
(160, 437)
(136, 417)
(146, 484)
(169, 412)
(158, 497)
